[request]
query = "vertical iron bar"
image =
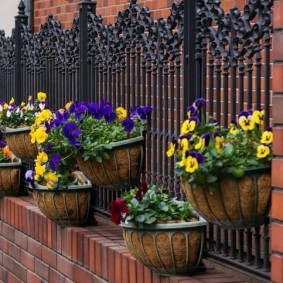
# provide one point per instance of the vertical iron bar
(241, 245)
(133, 73)
(172, 124)
(241, 84)
(128, 77)
(266, 242)
(211, 84)
(165, 123)
(20, 19)
(225, 93)
(258, 80)
(84, 7)
(225, 244)
(211, 236)
(250, 83)
(150, 142)
(218, 87)
(139, 99)
(267, 77)
(189, 52)
(249, 246)
(233, 244)
(154, 124)
(257, 237)
(218, 240)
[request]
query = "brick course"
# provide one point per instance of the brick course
(277, 169)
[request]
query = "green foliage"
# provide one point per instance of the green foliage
(155, 205)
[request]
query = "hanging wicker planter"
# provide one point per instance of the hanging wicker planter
(238, 203)
(19, 142)
(168, 249)
(10, 176)
(67, 207)
(122, 169)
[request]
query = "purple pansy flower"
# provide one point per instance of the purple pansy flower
(128, 124)
(2, 144)
(54, 161)
(29, 175)
(200, 103)
(71, 132)
(95, 110)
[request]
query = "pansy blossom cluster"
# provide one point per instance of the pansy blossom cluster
(80, 129)
(206, 150)
(13, 115)
(90, 128)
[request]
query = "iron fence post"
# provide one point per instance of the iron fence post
(85, 7)
(20, 19)
(189, 52)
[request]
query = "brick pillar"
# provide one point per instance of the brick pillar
(277, 164)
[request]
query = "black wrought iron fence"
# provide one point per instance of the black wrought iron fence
(198, 51)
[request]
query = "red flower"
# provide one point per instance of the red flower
(142, 190)
(117, 208)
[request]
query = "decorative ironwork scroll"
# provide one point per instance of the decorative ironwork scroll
(51, 42)
(235, 42)
(160, 40)
(7, 52)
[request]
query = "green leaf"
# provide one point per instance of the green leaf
(238, 172)
(211, 179)
(140, 218)
(150, 220)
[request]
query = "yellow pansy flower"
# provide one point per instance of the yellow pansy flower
(170, 152)
(267, 137)
(200, 144)
(12, 101)
(39, 170)
(43, 116)
(183, 145)
(219, 144)
(51, 180)
(191, 164)
(233, 129)
(246, 121)
(189, 126)
(68, 105)
(42, 157)
(39, 135)
(258, 116)
(262, 151)
(121, 113)
(41, 96)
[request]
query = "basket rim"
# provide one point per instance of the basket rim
(8, 130)
(17, 162)
(87, 185)
(166, 226)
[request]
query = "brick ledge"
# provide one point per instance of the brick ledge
(35, 249)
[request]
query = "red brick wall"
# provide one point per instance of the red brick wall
(277, 165)
(35, 249)
(66, 10)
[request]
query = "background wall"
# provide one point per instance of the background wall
(8, 11)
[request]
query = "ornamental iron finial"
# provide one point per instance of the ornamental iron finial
(21, 8)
